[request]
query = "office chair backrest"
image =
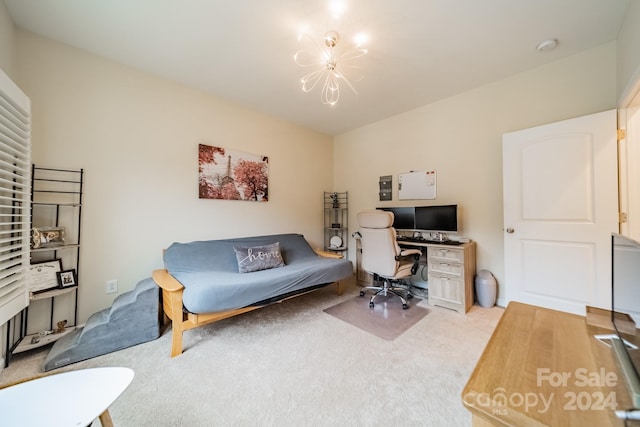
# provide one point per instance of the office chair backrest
(379, 246)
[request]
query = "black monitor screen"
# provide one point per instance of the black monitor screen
(403, 218)
(437, 218)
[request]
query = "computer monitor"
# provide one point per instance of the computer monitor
(403, 217)
(625, 310)
(437, 218)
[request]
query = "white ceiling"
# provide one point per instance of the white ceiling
(242, 50)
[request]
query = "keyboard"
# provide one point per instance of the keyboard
(401, 239)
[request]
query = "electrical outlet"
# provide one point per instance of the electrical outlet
(112, 286)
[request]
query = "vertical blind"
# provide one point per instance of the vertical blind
(15, 194)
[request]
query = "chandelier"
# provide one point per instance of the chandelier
(329, 63)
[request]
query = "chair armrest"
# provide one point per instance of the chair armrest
(407, 252)
(416, 257)
(166, 281)
(327, 254)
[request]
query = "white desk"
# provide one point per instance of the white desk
(451, 271)
(70, 399)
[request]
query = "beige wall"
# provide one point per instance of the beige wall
(461, 138)
(628, 58)
(7, 31)
(136, 136)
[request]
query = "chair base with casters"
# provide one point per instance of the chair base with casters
(386, 289)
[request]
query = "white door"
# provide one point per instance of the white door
(560, 207)
(629, 152)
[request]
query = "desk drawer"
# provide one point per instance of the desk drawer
(446, 291)
(446, 267)
(446, 254)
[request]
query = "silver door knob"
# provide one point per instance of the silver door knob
(509, 230)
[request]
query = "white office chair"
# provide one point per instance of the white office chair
(382, 257)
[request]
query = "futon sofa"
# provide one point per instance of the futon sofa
(207, 281)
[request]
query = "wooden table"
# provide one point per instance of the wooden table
(543, 367)
(70, 399)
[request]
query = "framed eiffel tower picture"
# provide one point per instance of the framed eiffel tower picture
(232, 175)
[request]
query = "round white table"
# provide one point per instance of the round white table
(69, 399)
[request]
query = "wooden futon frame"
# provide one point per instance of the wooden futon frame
(182, 320)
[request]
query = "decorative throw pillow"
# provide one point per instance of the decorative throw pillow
(258, 257)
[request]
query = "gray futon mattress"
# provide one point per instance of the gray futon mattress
(208, 270)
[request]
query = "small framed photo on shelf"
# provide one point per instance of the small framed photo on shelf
(67, 278)
(43, 275)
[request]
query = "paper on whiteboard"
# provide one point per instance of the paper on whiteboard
(417, 185)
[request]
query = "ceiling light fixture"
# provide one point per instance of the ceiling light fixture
(547, 45)
(330, 64)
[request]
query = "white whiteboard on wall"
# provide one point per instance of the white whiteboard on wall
(417, 185)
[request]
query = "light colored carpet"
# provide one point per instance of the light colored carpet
(387, 319)
(292, 364)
